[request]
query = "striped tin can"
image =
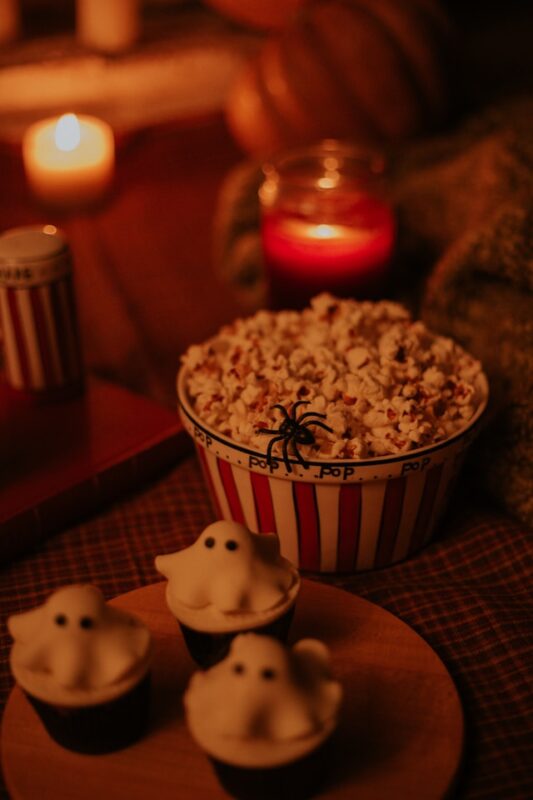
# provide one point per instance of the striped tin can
(335, 516)
(38, 317)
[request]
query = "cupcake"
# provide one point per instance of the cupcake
(229, 581)
(265, 717)
(84, 667)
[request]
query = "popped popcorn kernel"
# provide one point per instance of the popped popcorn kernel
(385, 383)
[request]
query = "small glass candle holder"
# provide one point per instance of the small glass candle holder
(325, 224)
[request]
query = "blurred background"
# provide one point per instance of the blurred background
(199, 94)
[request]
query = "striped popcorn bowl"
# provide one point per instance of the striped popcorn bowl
(335, 516)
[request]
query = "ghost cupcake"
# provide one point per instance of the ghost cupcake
(265, 716)
(84, 666)
(229, 581)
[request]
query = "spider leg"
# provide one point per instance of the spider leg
(295, 406)
(317, 422)
(282, 409)
(312, 414)
(286, 455)
(300, 457)
(271, 444)
(268, 431)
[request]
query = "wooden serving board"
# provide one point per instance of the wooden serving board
(401, 733)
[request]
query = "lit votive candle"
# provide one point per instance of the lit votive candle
(325, 226)
(69, 161)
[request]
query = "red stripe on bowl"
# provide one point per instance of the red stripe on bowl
(308, 525)
(425, 508)
(232, 495)
(349, 526)
(209, 480)
(390, 521)
(264, 507)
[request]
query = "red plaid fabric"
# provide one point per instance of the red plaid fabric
(469, 595)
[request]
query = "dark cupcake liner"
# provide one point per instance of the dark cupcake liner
(298, 780)
(208, 649)
(100, 728)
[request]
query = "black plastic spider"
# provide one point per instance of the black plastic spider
(293, 430)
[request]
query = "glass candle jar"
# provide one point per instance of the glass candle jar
(325, 224)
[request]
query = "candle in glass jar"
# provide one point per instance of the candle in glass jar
(345, 257)
(325, 224)
(69, 161)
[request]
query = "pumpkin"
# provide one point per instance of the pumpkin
(267, 14)
(365, 69)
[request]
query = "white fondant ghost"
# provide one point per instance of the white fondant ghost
(230, 568)
(264, 690)
(78, 639)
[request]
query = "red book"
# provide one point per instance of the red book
(62, 461)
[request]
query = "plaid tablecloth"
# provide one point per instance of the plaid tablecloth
(469, 595)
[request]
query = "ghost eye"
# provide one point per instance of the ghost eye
(231, 544)
(238, 668)
(60, 619)
(268, 674)
(209, 542)
(86, 623)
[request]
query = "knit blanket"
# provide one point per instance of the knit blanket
(464, 264)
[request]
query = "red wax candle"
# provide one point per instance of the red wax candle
(325, 224)
(348, 257)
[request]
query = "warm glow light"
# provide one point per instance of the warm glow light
(332, 176)
(324, 231)
(67, 134)
(50, 230)
(69, 161)
(325, 234)
(331, 164)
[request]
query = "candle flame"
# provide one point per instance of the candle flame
(67, 133)
(324, 231)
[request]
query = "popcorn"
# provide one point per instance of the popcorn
(386, 383)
